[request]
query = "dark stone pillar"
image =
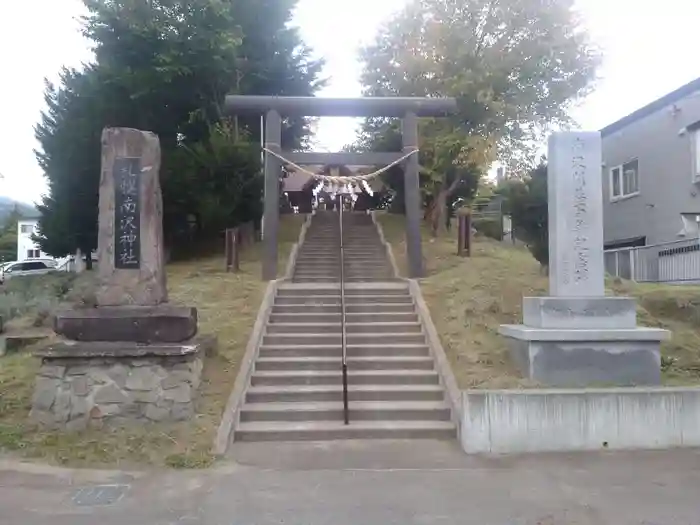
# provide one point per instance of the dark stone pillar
(273, 137)
(413, 200)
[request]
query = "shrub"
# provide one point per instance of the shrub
(489, 226)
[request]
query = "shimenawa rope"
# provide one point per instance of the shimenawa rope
(338, 179)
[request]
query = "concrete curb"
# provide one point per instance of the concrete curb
(447, 378)
(224, 434)
(566, 420)
(387, 245)
(292, 259)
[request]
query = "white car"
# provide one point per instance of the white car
(28, 267)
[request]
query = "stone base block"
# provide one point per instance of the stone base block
(86, 384)
(602, 357)
(579, 312)
(143, 324)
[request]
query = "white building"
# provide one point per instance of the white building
(26, 247)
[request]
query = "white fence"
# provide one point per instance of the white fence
(675, 262)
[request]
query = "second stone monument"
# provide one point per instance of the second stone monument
(578, 336)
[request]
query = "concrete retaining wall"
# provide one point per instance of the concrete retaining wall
(570, 420)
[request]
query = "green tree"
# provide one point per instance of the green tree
(165, 66)
(8, 236)
(516, 68)
(218, 180)
(69, 138)
(526, 201)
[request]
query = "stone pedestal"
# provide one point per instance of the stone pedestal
(133, 358)
(587, 357)
(88, 384)
(579, 337)
(142, 324)
(579, 312)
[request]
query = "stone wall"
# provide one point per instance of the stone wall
(75, 393)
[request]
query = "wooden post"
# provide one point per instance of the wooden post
(464, 235)
(233, 250)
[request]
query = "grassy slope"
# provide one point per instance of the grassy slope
(470, 297)
(227, 305)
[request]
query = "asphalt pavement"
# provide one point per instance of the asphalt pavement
(366, 483)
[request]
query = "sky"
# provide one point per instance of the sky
(650, 49)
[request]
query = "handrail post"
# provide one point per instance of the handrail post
(346, 412)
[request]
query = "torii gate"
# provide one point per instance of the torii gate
(409, 109)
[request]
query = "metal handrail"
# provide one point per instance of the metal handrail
(346, 414)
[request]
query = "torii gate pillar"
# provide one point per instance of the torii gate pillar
(412, 194)
(271, 217)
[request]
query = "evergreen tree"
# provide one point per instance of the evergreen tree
(166, 66)
(8, 236)
(526, 201)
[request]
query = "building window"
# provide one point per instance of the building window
(624, 180)
(33, 254)
(27, 228)
(696, 152)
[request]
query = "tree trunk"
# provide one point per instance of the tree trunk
(438, 212)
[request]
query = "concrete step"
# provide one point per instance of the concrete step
(333, 237)
(376, 296)
(329, 279)
(381, 275)
(308, 300)
(369, 261)
(318, 272)
(334, 242)
(334, 392)
(370, 258)
(349, 299)
(409, 317)
(275, 339)
(359, 244)
(348, 269)
(369, 350)
(347, 252)
(358, 411)
(349, 308)
(331, 363)
(379, 307)
(298, 290)
(332, 430)
(356, 377)
(366, 263)
(350, 328)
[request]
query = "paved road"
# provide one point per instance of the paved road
(366, 484)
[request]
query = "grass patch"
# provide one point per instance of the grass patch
(470, 297)
(227, 306)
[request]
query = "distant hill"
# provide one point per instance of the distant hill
(7, 205)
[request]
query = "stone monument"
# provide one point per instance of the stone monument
(133, 357)
(578, 336)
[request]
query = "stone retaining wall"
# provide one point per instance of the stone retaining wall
(75, 393)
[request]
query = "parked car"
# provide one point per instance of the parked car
(29, 267)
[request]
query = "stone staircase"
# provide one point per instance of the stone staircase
(295, 388)
(364, 254)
